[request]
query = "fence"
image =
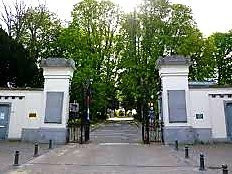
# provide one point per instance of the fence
(74, 134)
(78, 131)
(155, 131)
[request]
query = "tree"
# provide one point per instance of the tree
(16, 67)
(90, 41)
(42, 29)
(184, 38)
(130, 61)
(220, 51)
(158, 29)
(13, 17)
(35, 27)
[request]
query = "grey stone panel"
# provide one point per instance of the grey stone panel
(184, 134)
(43, 135)
(177, 106)
(203, 134)
(54, 107)
(30, 135)
(221, 140)
(58, 62)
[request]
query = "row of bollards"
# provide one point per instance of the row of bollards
(202, 159)
(36, 152)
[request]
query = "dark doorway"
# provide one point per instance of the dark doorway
(4, 120)
(228, 114)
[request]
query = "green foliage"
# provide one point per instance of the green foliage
(38, 30)
(16, 66)
(74, 122)
(158, 29)
(118, 51)
(220, 51)
(90, 41)
(42, 29)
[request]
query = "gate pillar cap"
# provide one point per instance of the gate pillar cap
(173, 60)
(57, 62)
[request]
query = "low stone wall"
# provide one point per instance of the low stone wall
(43, 135)
(203, 134)
(186, 134)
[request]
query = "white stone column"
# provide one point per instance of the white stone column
(173, 71)
(58, 73)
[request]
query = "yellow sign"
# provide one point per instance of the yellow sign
(32, 115)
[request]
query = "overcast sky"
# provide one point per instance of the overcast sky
(210, 15)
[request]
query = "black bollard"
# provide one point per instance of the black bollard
(36, 151)
(16, 159)
(224, 169)
(50, 144)
(202, 162)
(186, 149)
(176, 145)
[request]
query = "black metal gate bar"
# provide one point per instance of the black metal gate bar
(156, 131)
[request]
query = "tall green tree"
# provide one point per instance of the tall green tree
(42, 29)
(158, 29)
(220, 50)
(90, 41)
(36, 28)
(130, 64)
(184, 38)
(16, 67)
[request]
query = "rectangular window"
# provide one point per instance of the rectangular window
(177, 106)
(54, 107)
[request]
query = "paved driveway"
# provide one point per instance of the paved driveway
(118, 153)
(117, 132)
(105, 158)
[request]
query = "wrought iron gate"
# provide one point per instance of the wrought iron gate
(156, 131)
(78, 131)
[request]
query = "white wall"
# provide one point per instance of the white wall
(31, 102)
(199, 104)
(198, 101)
(56, 79)
(201, 101)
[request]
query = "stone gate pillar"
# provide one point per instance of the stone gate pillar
(173, 71)
(58, 73)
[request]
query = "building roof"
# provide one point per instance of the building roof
(58, 62)
(173, 60)
(21, 89)
(201, 85)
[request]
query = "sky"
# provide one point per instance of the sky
(210, 15)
